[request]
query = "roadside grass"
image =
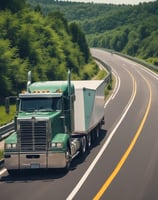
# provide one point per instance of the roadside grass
(108, 90)
(100, 75)
(6, 118)
(1, 154)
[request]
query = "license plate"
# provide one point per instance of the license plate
(35, 165)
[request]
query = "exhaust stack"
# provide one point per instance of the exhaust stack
(29, 81)
(69, 83)
(69, 97)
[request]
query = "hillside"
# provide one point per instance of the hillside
(46, 45)
(132, 30)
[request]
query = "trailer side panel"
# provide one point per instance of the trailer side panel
(89, 104)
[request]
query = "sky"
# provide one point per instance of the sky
(132, 2)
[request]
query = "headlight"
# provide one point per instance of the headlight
(10, 146)
(57, 145)
(14, 146)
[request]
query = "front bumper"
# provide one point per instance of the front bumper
(35, 160)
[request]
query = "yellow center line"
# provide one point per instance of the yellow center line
(127, 152)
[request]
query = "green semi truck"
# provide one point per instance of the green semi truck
(55, 121)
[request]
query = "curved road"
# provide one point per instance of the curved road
(124, 164)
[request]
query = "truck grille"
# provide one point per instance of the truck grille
(33, 135)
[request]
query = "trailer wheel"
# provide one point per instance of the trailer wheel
(98, 132)
(83, 145)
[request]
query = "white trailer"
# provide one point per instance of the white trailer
(88, 110)
(89, 104)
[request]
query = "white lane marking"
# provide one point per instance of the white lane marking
(105, 145)
(116, 89)
(118, 83)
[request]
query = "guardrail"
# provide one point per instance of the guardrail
(1, 164)
(6, 130)
(104, 64)
(108, 78)
(137, 60)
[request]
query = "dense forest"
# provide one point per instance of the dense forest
(50, 38)
(130, 29)
(45, 44)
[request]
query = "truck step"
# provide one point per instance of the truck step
(75, 155)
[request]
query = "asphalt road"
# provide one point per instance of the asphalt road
(124, 164)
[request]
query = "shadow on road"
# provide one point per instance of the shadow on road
(33, 175)
(96, 142)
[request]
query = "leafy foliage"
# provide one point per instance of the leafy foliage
(126, 28)
(13, 5)
(46, 45)
(1, 154)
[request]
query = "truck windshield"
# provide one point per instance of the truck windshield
(40, 104)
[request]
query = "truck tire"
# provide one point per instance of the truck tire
(83, 145)
(96, 134)
(89, 141)
(68, 158)
(98, 131)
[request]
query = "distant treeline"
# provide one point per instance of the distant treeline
(46, 45)
(132, 30)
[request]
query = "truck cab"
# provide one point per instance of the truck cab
(55, 121)
(42, 128)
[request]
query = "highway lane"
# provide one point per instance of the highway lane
(137, 178)
(123, 115)
(126, 129)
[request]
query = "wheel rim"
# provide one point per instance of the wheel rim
(89, 140)
(84, 144)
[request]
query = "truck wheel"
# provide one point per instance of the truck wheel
(68, 160)
(89, 140)
(83, 145)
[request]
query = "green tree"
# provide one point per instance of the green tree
(79, 37)
(43, 44)
(6, 58)
(13, 5)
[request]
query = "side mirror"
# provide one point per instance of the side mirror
(17, 104)
(7, 103)
(7, 106)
